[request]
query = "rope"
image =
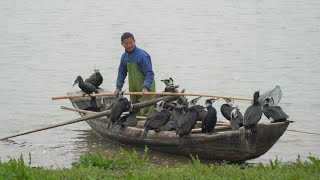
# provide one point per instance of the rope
(303, 132)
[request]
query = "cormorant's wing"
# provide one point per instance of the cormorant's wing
(91, 79)
(158, 119)
(275, 93)
(131, 120)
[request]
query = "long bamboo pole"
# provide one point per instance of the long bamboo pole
(92, 112)
(155, 93)
(91, 116)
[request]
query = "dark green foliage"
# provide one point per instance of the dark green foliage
(131, 165)
(16, 169)
(126, 161)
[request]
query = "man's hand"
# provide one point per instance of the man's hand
(144, 90)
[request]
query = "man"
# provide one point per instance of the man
(137, 64)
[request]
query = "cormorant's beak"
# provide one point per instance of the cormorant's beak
(74, 83)
(196, 99)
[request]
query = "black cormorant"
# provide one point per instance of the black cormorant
(253, 114)
(170, 87)
(210, 120)
(169, 126)
(129, 120)
(177, 112)
(156, 119)
(95, 79)
(274, 113)
(189, 119)
(88, 89)
(121, 105)
(168, 83)
(232, 114)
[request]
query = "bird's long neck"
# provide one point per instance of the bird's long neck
(81, 82)
(209, 107)
(256, 102)
(98, 74)
(256, 99)
(159, 108)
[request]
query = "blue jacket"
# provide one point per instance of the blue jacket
(143, 60)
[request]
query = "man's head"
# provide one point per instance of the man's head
(127, 41)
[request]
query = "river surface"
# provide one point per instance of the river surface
(219, 47)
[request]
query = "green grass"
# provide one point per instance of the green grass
(131, 165)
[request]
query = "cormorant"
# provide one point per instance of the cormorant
(177, 112)
(121, 105)
(169, 83)
(125, 121)
(170, 87)
(189, 119)
(232, 114)
(274, 113)
(167, 126)
(253, 114)
(156, 119)
(210, 120)
(88, 89)
(95, 79)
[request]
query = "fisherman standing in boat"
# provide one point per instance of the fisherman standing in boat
(137, 64)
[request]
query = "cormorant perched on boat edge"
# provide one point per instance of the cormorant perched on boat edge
(156, 119)
(95, 79)
(274, 113)
(121, 105)
(125, 121)
(232, 114)
(188, 120)
(210, 120)
(88, 89)
(253, 114)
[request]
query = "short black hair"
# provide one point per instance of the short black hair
(126, 35)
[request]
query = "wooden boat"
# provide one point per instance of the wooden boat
(225, 145)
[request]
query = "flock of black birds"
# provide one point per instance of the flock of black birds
(182, 115)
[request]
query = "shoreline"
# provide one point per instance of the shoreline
(132, 165)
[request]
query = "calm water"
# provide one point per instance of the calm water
(221, 47)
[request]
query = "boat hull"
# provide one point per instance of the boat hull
(225, 145)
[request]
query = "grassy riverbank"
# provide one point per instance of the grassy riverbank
(130, 165)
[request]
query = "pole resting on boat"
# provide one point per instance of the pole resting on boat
(93, 116)
(154, 93)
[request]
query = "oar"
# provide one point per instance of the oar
(304, 132)
(92, 116)
(154, 93)
(92, 112)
